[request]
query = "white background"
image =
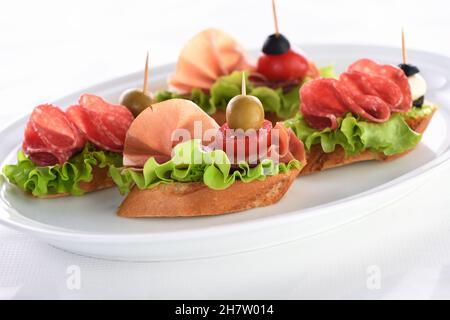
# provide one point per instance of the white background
(51, 48)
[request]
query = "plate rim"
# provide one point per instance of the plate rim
(46, 230)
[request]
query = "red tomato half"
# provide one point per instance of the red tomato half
(281, 67)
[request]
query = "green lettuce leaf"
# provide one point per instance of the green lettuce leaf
(420, 112)
(44, 181)
(164, 95)
(328, 72)
(284, 104)
(190, 163)
(202, 100)
(225, 88)
(270, 98)
(355, 135)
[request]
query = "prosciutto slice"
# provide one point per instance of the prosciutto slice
(290, 147)
(367, 89)
(160, 127)
(207, 56)
(50, 137)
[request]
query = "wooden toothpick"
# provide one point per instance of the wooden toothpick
(145, 87)
(404, 56)
(244, 87)
(275, 19)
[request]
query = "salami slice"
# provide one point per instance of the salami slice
(370, 107)
(322, 103)
(391, 72)
(113, 119)
(103, 123)
(360, 101)
(86, 124)
(367, 89)
(50, 137)
(368, 84)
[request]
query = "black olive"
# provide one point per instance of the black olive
(419, 102)
(276, 44)
(409, 69)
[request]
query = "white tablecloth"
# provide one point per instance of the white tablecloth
(49, 48)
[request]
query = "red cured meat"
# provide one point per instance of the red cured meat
(367, 89)
(322, 103)
(113, 119)
(289, 146)
(103, 123)
(370, 107)
(278, 143)
(50, 137)
(251, 146)
(367, 84)
(391, 72)
(93, 133)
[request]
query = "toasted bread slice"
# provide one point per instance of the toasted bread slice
(100, 180)
(179, 199)
(317, 160)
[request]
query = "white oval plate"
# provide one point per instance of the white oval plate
(88, 225)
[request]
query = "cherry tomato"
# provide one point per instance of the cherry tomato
(281, 67)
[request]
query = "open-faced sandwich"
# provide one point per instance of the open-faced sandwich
(370, 112)
(210, 65)
(69, 153)
(178, 161)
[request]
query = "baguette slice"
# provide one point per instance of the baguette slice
(100, 180)
(317, 160)
(196, 199)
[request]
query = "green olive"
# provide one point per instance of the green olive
(135, 100)
(245, 112)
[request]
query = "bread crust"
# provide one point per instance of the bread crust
(317, 160)
(100, 180)
(179, 199)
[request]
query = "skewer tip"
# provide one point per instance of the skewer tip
(404, 53)
(145, 86)
(275, 18)
(244, 86)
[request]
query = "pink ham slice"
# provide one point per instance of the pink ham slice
(188, 78)
(50, 137)
(159, 128)
(289, 146)
(103, 123)
(207, 56)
